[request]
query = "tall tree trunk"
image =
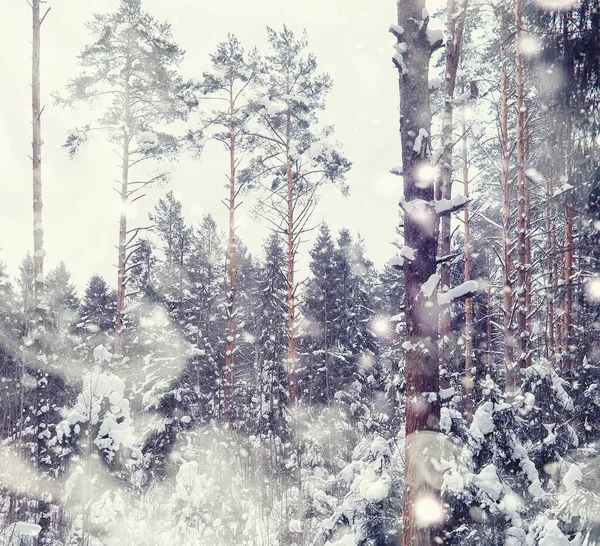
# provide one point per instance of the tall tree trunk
(550, 282)
(557, 270)
(568, 247)
(122, 265)
(490, 357)
(422, 406)
(43, 507)
(522, 211)
(444, 190)
(469, 301)
(568, 286)
(232, 275)
(38, 231)
(511, 372)
(291, 309)
(528, 278)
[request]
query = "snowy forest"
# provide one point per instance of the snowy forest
(217, 389)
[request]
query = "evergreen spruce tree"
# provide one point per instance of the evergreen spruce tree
(61, 297)
(26, 286)
(247, 318)
(357, 376)
(320, 313)
(204, 319)
(11, 371)
(271, 376)
(143, 262)
(97, 315)
(388, 299)
(171, 281)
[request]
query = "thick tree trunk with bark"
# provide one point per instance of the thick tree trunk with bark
(422, 372)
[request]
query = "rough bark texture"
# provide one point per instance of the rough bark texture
(422, 372)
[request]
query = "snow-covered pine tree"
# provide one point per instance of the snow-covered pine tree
(319, 312)
(370, 507)
(170, 280)
(61, 297)
(491, 486)
(231, 82)
(203, 325)
(143, 261)
(271, 399)
(354, 276)
(247, 320)
(298, 155)
(388, 300)
(62, 315)
(97, 316)
(12, 378)
(130, 76)
(96, 437)
(340, 348)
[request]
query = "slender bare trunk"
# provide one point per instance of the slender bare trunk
(444, 190)
(469, 301)
(422, 407)
(528, 278)
(568, 246)
(511, 373)
(122, 265)
(232, 275)
(490, 358)
(38, 330)
(568, 286)
(291, 288)
(38, 231)
(522, 211)
(550, 290)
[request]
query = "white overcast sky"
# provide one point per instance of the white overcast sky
(350, 40)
